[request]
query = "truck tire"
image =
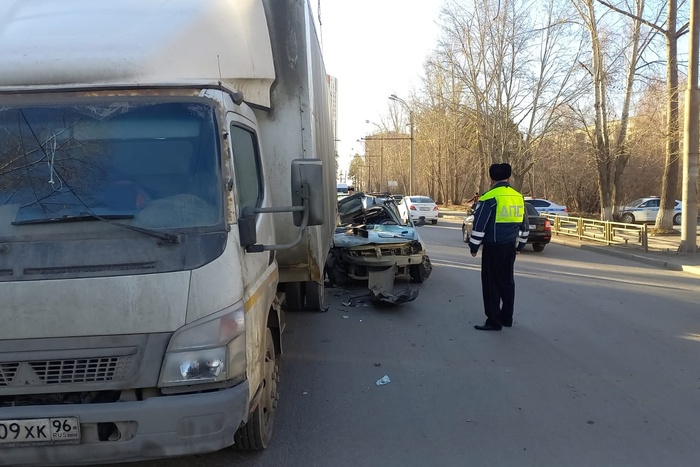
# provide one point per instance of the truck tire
(314, 296)
(256, 433)
(294, 296)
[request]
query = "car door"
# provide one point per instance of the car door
(648, 210)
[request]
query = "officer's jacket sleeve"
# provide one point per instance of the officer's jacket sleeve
(484, 215)
(523, 232)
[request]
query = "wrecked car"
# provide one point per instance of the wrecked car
(372, 242)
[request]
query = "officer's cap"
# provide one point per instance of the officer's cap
(499, 172)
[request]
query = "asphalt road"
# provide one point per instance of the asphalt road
(599, 369)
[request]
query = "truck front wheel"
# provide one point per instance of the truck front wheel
(256, 433)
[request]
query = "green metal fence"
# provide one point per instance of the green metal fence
(608, 232)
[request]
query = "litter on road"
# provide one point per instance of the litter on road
(383, 380)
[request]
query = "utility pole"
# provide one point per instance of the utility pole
(381, 154)
(393, 97)
(691, 141)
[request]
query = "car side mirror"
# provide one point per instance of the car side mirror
(420, 222)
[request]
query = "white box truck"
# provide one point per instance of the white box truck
(166, 173)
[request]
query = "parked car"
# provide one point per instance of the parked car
(646, 210)
(418, 207)
(544, 206)
(540, 228)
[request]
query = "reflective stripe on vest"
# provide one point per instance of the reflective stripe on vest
(510, 206)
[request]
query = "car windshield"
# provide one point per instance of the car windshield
(153, 163)
(422, 199)
(531, 211)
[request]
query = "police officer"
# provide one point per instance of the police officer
(501, 226)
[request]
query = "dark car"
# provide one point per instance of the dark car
(540, 228)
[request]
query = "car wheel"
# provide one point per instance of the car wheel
(538, 246)
(627, 218)
(465, 235)
(420, 272)
(336, 271)
(434, 221)
(678, 218)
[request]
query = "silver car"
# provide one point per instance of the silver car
(646, 210)
(544, 206)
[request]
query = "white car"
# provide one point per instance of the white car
(419, 207)
(646, 210)
(544, 206)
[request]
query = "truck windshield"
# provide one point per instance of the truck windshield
(153, 163)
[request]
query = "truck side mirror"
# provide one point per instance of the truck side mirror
(307, 207)
(307, 183)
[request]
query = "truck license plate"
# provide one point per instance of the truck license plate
(39, 432)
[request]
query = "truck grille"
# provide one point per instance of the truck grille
(7, 372)
(69, 371)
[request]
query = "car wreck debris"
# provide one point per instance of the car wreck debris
(373, 243)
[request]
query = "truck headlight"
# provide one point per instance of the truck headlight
(209, 350)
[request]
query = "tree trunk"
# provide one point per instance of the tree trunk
(669, 187)
(601, 141)
(623, 155)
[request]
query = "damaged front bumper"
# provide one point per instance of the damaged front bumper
(380, 264)
(380, 256)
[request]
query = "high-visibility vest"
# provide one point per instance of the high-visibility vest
(510, 206)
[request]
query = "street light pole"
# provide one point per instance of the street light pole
(381, 156)
(690, 143)
(393, 97)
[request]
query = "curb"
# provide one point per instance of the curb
(660, 263)
(611, 251)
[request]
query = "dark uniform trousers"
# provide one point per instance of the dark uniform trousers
(497, 282)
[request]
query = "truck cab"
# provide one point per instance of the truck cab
(148, 158)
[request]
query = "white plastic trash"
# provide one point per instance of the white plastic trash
(384, 380)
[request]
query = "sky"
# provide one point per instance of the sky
(374, 48)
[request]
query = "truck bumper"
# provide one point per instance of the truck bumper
(154, 428)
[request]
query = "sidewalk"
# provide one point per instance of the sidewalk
(663, 250)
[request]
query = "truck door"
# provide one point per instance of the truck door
(249, 186)
(259, 270)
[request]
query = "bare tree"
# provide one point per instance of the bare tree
(609, 140)
(669, 188)
(515, 63)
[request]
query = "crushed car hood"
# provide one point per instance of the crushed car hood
(373, 234)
